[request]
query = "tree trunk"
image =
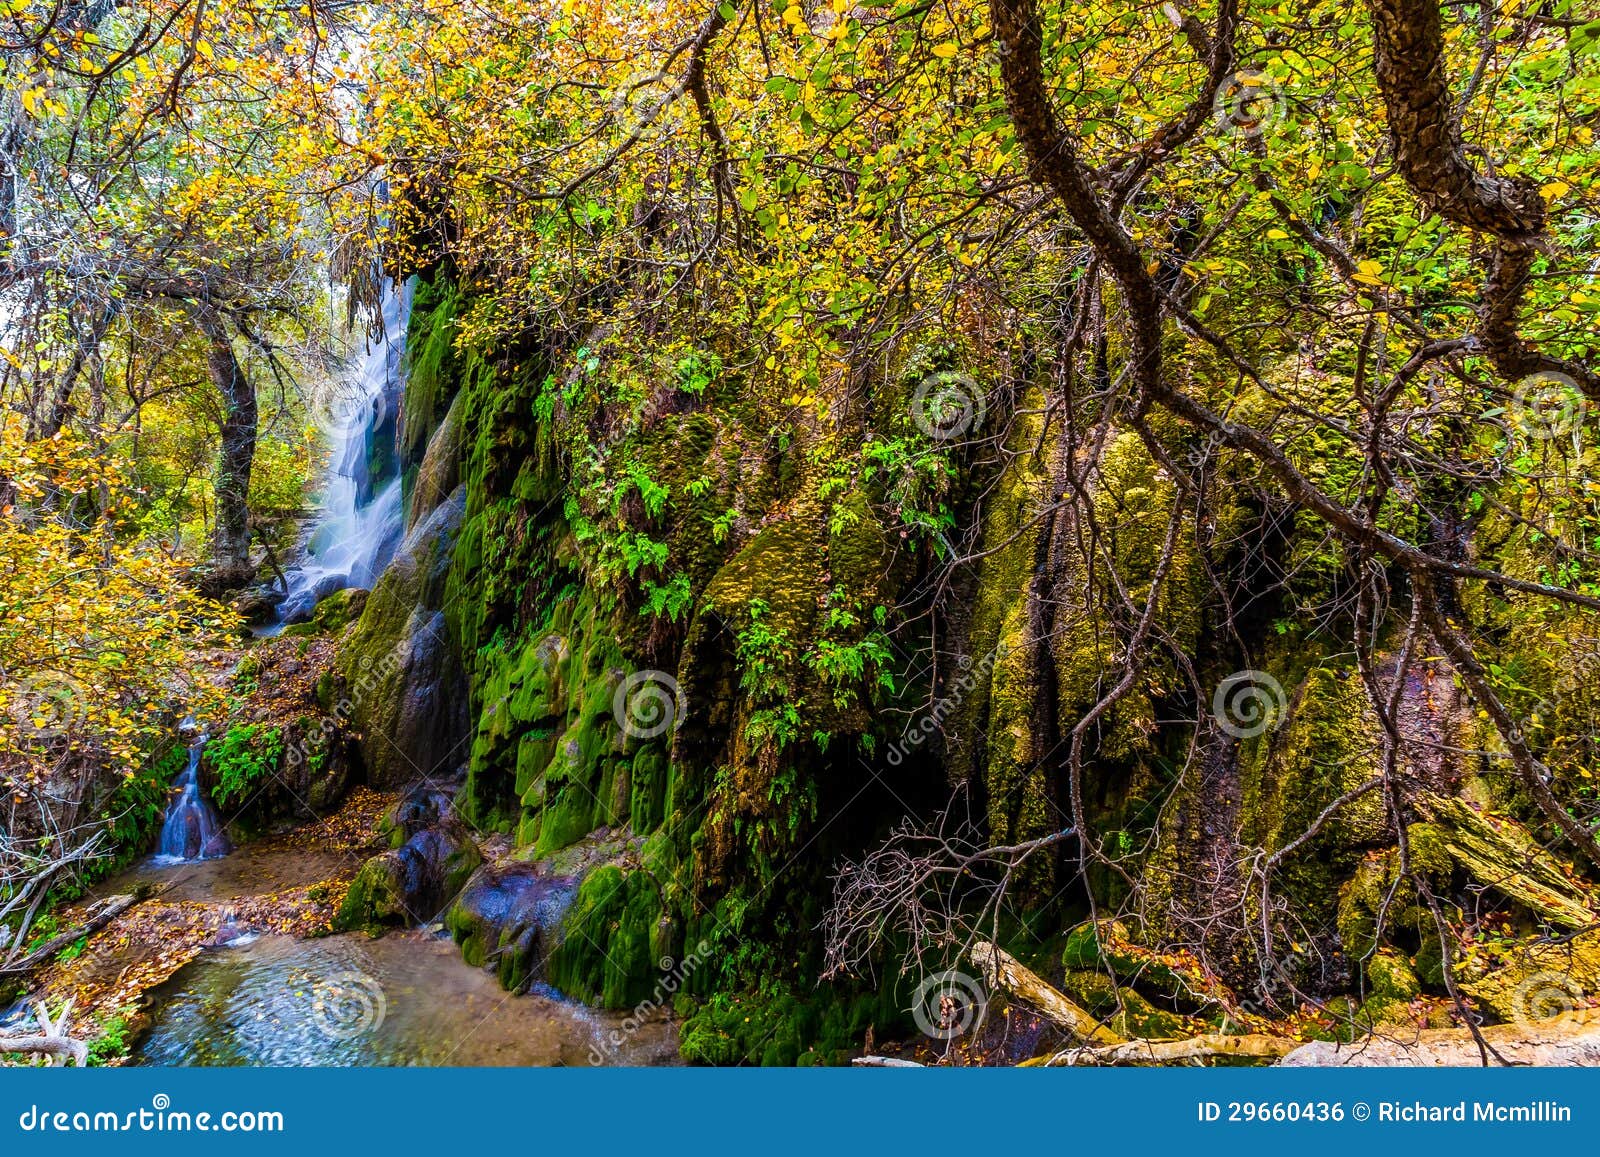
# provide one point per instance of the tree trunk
(230, 555)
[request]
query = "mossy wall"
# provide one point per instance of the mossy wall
(691, 609)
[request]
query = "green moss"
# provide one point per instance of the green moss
(609, 952)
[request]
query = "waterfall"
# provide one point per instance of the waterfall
(192, 830)
(361, 518)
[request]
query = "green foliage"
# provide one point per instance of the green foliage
(113, 1043)
(245, 756)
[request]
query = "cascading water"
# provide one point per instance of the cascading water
(192, 830)
(361, 517)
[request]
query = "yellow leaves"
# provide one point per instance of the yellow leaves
(945, 51)
(1369, 272)
(1554, 190)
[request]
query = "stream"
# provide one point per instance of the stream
(255, 997)
(404, 999)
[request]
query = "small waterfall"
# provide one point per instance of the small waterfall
(192, 830)
(361, 517)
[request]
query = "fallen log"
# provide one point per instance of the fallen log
(99, 916)
(51, 1040)
(1502, 854)
(1165, 1052)
(885, 1063)
(1002, 969)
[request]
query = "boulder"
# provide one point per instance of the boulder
(509, 917)
(411, 884)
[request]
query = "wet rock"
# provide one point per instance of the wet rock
(332, 615)
(508, 917)
(440, 472)
(403, 681)
(258, 605)
(411, 884)
(421, 807)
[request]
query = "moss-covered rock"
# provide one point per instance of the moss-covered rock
(402, 680)
(410, 884)
(508, 916)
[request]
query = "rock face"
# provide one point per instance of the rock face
(258, 605)
(440, 471)
(431, 857)
(509, 917)
(405, 689)
(292, 733)
(1569, 1040)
